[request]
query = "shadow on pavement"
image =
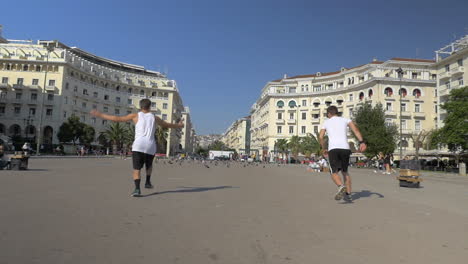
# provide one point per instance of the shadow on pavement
(190, 190)
(365, 194)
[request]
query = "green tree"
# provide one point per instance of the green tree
(309, 145)
(87, 135)
(419, 140)
(71, 130)
(161, 135)
(115, 134)
(201, 151)
(454, 133)
(217, 145)
(379, 137)
(281, 146)
(294, 145)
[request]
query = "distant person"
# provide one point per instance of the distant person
(144, 145)
(3, 158)
(338, 149)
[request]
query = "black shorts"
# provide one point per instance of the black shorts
(139, 159)
(339, 159)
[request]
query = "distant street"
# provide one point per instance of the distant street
(80, 211)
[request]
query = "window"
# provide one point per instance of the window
(447, 85)
(17, 110)
(64, 114)
(403, 124)
(351, 112)
(434, 76)
(51, 82)
(164, 117)
(19, 95)
(105, 109)
(279, 129)
(164, 105)
(417, 125)
(75, 89)
(435, 108)
(304, 116)
(19, 81)
(66, 100)
(83, 104)
(129, 101)
(117, 99)
(49, 112)
(315, 116)
(93, 120)
(460, 81)
(370, 93)
(447, 68)
(291, 129)
(74, 101)
(129, 112)
(417, 108)
(33, 96)
(280, 116)
(403, 107)
(303, 129)
(388, 107)
(4, 79)
(304, 102)
(388, 122)
(460, 62)
(403, 92)
(414, 75)
(25, 68)
(417, 93)
(117, 111)
(38, 68)
(292, 89)
(95, 94)
(153, 104)
(8, 67)
(2, 109)
(291, 116)
(361, 96)
(388, 91)
(316, 129)
(32, 111)
(142, 92)
(50, 97)
(106, 97)
(350, 97)
(435, 92)
(85, 92)
(35, 82)
(104, 122)
(67, 86)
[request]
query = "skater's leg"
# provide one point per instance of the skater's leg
(347, 180)
(337, 179)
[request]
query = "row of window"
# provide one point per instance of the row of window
(32, 110)
(106, 97)
(26, 67)
(459, 63)
(20, 81)
(33, 96)
(459, 81)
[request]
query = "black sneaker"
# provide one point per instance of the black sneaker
(148, 185)
(136, 193)
(340, 193)
(347, 198)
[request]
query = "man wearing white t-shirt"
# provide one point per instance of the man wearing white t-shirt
(338, 149)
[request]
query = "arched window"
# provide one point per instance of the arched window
(153, 94)
(280, 104)
(370, 93)
(388, 91)
(361, 96)
(292, 103)
(142, 92)
(417, 93)
(403, 92)
(130, 90)
(403, 143)
(117, 88)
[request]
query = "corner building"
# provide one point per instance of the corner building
(55, 81)
(296, 106)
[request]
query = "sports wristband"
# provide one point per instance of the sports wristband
(360, 142)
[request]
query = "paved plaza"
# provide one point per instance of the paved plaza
(80, 211)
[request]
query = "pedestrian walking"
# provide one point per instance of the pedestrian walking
(144, 145)
(338, 149)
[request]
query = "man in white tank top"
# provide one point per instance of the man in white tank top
(144, 145)
(338, 149)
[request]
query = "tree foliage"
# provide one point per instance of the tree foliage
(73, 130)
(379, 137)
(281, 146)
(309, 145)
(294, 145)
(454, 133)
(218, 145)
(161, 135)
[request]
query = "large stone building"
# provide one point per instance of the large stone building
(188, 133)
(237, 136)
(452, 71)
(297, 105)
(44, 83)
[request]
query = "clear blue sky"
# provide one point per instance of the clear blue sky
(222, 53)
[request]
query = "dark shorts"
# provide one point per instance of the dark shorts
(139, 159)
(339, 159)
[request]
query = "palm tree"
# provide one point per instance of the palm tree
(116, 134)
(281, 145)
(161, 135)
(309, 145)
(295, 145)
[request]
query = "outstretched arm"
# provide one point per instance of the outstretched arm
(357, 133)
(165, 124)
(131, 117)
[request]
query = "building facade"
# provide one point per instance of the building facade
(452, 71)
(42, 84)
(188, 133)
(296, 106)
(237, 136)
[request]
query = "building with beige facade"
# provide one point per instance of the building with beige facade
(452, 71)
(296, 106)
(188, 133)
(237, 136)
(44, 83)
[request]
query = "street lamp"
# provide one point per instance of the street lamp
(38, 137)
(27, 122)
(400, 75)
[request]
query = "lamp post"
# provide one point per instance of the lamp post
(39, 137)
(400, 76)
(27, 122)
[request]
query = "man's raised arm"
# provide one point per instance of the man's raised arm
(130, 117)
(165, 124)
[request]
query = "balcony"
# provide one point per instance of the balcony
(406, 113)
(390, 113)
(457, 70)
(34, 87)
(279, 121)
(4, 85)
(18, 86)
(292, 121)
(50, 88)
(445, 75)
(419, 114)
(315, 121)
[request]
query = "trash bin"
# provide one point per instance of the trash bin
(19, 164)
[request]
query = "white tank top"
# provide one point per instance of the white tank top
(144, 134)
